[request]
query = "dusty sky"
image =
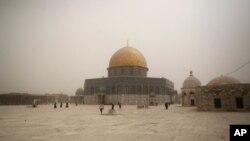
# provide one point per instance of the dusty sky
(52, 46)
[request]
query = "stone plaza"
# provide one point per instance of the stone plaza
(84, 122)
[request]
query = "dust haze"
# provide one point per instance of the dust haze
(53, 46)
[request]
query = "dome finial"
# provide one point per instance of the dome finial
(191, 73)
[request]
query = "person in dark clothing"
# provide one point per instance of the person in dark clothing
(55, 105)
(61, 105)
(112, 106)
(67, 105)
(166, 105)
(120, 105)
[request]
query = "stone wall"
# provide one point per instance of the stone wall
(127, 71)
(125, 99)
(206, 95)
(188, 95)
(27, 99)
(128, 85)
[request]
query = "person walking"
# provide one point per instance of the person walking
(67, 105)
(166, 105)
(61, 104)
(120, 105)
(112, 106)
(101, 107)
(55, 105)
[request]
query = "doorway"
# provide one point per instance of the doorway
(217, 103)
(192, 102)
(100, 99)
(239, 103)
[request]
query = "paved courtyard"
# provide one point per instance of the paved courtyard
(84, 122)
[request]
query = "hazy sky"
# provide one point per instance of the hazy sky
(52, 46)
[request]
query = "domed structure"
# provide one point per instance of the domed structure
(191, 81)
(127, 56)
(221, 80)
(127, 82)
(188, 90)
(127, 61)
(223, 93)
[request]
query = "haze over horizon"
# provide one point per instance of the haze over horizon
(53, 46)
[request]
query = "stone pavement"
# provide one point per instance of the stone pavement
(85, 122)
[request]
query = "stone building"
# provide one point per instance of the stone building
(223, 94)
(127, 82)
(188, 90)
(27, 99)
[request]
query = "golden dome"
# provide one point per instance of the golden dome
(223, 80)
(127, 56)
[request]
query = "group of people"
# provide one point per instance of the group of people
(61, 105)
(101, 107)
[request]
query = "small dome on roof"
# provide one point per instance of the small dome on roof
(191, 81)
(223, 80)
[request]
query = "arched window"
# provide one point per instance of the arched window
(162, 90)
(191, 93)
(108, 89)
(122, 71)
(157, 90)
(151, 89)
(113, 89)
(92, 90)
(131, 71)
(126, 89)
(217, 103)
(138, 89)
(119, 89)
(145, 89)
(239, 102)
(133, 89)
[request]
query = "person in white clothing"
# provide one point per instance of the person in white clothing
(101, 108)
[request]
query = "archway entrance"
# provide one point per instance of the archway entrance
(100, 99)
(152, 100)
(192, 102)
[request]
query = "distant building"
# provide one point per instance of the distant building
(188, 90)
(127, 82)
(77, 99)
(27, 99)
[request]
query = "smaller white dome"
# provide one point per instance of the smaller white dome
(191, 81)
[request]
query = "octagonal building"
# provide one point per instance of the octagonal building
(127, 82)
